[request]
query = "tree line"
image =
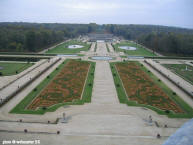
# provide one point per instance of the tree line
(163, 39)
(33, 37)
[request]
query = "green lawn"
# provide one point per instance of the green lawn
(180, 69)
(123, 97)
(63, 48)
(11, 68)
(140, 51)
(21, 107)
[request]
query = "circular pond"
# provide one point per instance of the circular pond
(101, 58)
(127, 47)
(75, 46)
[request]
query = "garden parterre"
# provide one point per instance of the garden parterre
(141, 88)
(67, 86)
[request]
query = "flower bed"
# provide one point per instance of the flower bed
(67, 86)
(141, 88)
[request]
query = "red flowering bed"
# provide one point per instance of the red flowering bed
(65, 87)
(141, 88)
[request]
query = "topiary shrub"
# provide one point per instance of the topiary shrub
(35, 89)
(174, 93)
(44, 108)
(90, 84)
(118, 85)
(1, 73)
(167, 111)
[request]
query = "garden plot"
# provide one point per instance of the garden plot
(70, 47)
(139, 87)
(70, 83)
(67, 86)
(131, 48)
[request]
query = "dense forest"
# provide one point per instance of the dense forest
(163, 39)
(33, 37)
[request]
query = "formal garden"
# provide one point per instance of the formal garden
(71, 83)
(131, 48)
(137, 86)
(183, 70)
(70, 47)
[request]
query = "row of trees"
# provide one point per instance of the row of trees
(33, 37)
(169, 44)
(163, 39)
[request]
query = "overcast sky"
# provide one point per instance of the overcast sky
(161, 12)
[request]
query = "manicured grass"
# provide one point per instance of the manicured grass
(11, 68)
(188, 111)
(180, 69)
(86, 97)
(140, 51)
(63, 48)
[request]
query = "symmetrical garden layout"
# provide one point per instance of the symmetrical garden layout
(64, 48)
(67, 84)
(183, 70)
(140, 51)
(142, 88)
